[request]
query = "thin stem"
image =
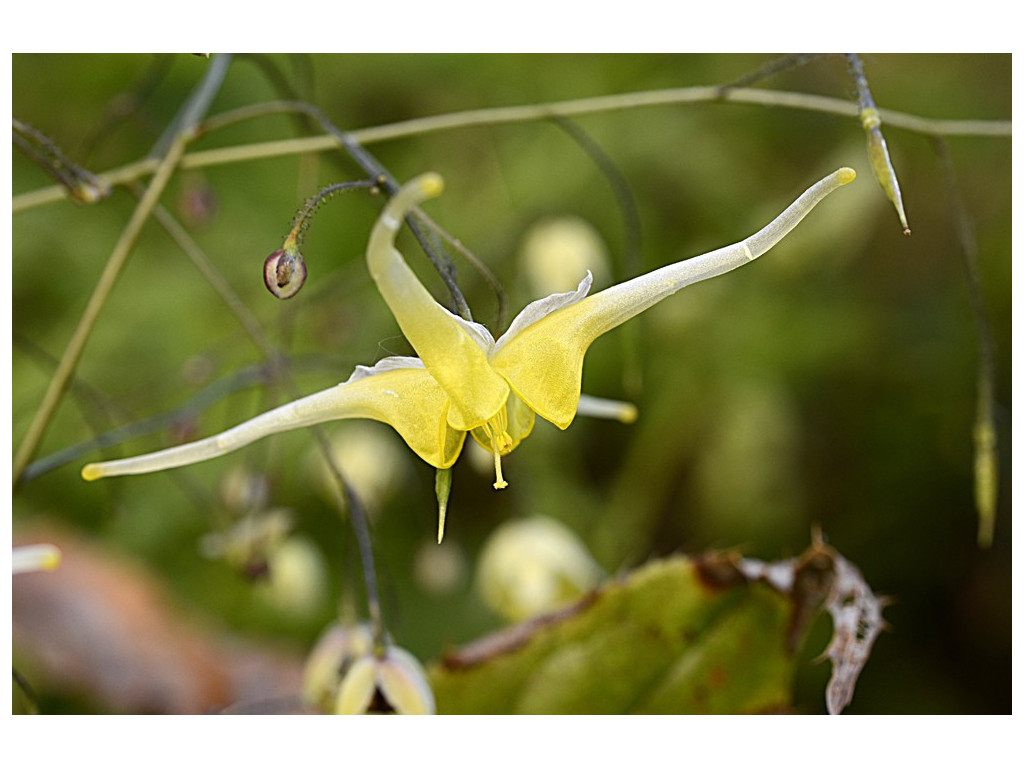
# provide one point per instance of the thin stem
(195, 107)
(527, 113)
(112, 270)
(374, 169)
(986, 452)
(361, 527)
(187, 119)
(773, 67)
(632, 377)
(81, 184)
(620, 189)
(441, 263)
(31, 700)
(357, 512)
(474, 260)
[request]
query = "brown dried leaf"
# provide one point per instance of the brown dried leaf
(856, 622)
(101, 626)
(822, 578)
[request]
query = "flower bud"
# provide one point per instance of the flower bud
(284, 272)
(337, 649)
(296, 580)
(248, 544)
(439, 569)
(243, 491)
(371, 460)
(556, 252)
(394, 683)
(532, 566)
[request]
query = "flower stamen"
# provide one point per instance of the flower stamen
(501, 442)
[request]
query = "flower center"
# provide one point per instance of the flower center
(497, 433)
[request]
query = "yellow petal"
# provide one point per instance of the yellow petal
(402, 395)
(403, 683)
(337, 648)
(454, 354)
(544, 361)
(414, 405)
(355, 694)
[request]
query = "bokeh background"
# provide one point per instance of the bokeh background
(832, 383)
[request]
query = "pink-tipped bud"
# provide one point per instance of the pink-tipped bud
(284, 272)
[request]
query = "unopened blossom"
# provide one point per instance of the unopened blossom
(393, 682)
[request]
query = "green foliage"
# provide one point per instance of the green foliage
(660, 641)
(835, 382)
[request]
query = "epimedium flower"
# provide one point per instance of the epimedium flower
(463, 381)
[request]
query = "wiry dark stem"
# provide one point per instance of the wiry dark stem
(375, 170)
(82, 185)
(986, 453)
(773, 67)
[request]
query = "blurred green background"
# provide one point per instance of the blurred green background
(832, 383)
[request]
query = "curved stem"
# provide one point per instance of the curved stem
(360, 523)
(112, 270)
(171, 148)
(527, 113)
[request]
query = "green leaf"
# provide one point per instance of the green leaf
(663, 639)
(716, 634)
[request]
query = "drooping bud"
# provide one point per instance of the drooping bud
(557, 251)
(284, 271)
(296, 583)
(391, 683)
(532, 566)
(337, 649)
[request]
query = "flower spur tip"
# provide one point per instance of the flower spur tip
(431, 184)
(35, 557)
(846, 175)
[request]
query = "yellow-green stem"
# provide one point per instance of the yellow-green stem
(112, 270)
(527, 113)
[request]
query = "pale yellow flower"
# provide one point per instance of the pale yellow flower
(464, 381)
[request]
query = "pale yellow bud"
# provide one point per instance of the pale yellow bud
(532, 566)
(249, 542)
(337, 649)
(440, 569)
(296, 582)
(371, 460)
(557, 252)
(394, 683)
(243, 491)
